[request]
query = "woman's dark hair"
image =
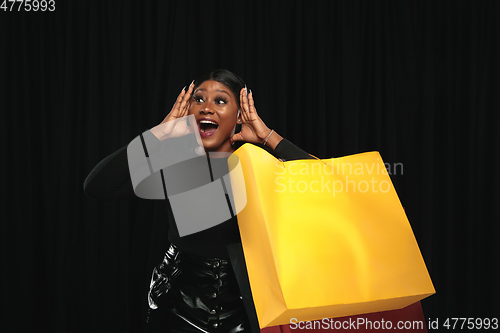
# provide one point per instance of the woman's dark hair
(227, 78)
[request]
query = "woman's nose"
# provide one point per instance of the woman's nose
(206, 110)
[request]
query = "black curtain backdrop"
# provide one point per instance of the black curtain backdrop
(418, 81)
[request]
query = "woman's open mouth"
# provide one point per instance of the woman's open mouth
(207, 127)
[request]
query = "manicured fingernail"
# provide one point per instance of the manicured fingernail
(183, 88)
(251, 92)
(192, 83)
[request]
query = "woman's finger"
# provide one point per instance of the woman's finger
(186, 108)
(178, 101)
(251, 104)
(186, 98)
(242, 110)
(244, 104)
(236, 137)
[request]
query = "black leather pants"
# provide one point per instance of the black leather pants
(195, 294)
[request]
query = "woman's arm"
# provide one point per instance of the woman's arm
(287, 151)
(110, 178)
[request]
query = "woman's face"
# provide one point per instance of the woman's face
(215, 109)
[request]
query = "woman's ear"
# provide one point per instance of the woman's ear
(237, 127)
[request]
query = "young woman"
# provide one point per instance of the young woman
(194, 289)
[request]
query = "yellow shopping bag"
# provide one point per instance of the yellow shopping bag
(324, 238)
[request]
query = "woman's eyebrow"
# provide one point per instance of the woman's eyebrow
(202, 89)
(225, 92)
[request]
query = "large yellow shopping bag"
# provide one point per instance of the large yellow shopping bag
(324, 238)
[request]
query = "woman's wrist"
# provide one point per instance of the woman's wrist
(158, 131)
(273, 140)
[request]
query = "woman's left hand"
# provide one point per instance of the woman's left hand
(253, 128)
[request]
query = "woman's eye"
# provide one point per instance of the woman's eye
(199, 99)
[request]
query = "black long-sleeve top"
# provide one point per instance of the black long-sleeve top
(110, 180)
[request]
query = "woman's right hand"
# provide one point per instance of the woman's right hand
(173, 126)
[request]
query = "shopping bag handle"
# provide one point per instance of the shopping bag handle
(308, 154)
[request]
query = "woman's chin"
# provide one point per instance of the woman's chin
(216, 145)
(209, 144)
